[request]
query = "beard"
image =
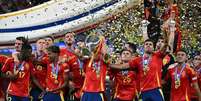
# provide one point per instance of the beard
(158, 47)
(149, 50)
(17, 49)
(69, 43)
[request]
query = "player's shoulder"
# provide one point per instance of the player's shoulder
(189, 68)
(139, 58)
(172, 66)
(65, 66)
(3, 56)
(10, 59)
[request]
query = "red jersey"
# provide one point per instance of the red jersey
(3, 59)
(199, 75)
(152, 78)
(40, 70)
(55, 75)
(193, 91)
(95, 76)
(20, 86)
(74, 66)
(187, 76)
(125, 85)
(199, 78)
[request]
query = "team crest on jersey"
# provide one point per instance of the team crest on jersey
(126, 80)
(165, 61)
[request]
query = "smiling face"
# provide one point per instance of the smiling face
(48, 42)
(18, 45)
(69, 38)
(197, 60)
(159, 44)
(40, 44)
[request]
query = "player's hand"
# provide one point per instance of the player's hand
(199, 98)
(62, 60)
(42, 95)
(17, 62)
(12, 76)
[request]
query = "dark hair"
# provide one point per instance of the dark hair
(132, 46)
(54, 49)
(23, 39)
(40, 39)
(50, 37)
(25, 53)
(161, 37)
(182, 50)
(26, 47)
(125, 50)
(149, 40)
(70, 32)
(169, 47)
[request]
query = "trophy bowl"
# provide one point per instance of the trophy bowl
(92, 42)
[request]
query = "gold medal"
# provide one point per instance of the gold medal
(98, 74)
(177, 83)
(54, 76)
(56, 81)
(146, 69)
(126, 80)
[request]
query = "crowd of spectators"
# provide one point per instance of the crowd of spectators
(7, 6)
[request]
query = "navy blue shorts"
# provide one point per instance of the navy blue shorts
(123, 100)
(16, 98)
(35, 94)
(51, 97)
(92, 96)
(152, 95)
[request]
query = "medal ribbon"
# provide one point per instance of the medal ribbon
(145, 62)
(55, 71)
(39, 56)
(97, 66)
(178, 75)
(21, 66)
(71, 50)
(124, 72)
(199, 70)
(80, 64)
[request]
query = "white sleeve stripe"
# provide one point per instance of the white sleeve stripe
(67, 70)
(194, 78)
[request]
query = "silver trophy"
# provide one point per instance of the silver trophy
(92, 41)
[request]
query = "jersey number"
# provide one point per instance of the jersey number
(21, 74)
